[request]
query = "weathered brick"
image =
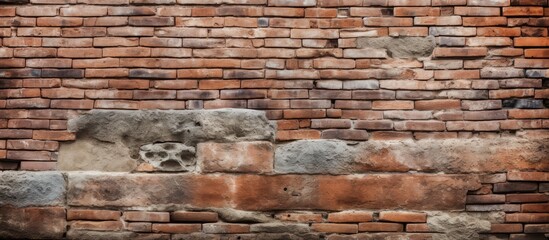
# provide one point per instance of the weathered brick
(87, 214)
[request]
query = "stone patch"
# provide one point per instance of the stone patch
(22, 189)
(111, 140)
(456, 226)
(401, 47)
(448, 156)
(278, 192)
(169, 156)
(32, 223)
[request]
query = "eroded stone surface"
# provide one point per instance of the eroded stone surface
(32, 223)
(401, 47)
(280, 192)
(22, 189)
(449, 156)
(110, 140)
(169, 156)
(462, 225)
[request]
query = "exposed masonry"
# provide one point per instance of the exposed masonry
(412, 119)
(218, 174)
(321, 69)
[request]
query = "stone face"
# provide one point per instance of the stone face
(401, 47)
(314, 156)
(32, 223)
(457, 226)
(89, 154)
(449, 156)
(22, 189)
(279, 192)
(169, 156)
(111, 140)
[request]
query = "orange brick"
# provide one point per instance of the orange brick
(53, 135)
(403, 217)
(88, 214)
(334, 228)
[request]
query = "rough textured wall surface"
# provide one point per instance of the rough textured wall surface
(220, 174)
(323, 69)
(377, 119)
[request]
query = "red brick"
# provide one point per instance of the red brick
(176, 228)
(63, 93)
(484, 21)
(527, 217)
(53, 135)
(72, 104)
(38, 166)
(528, 176)
(532, 42)
(527, 198)
(331, 123)
(28, 103)
(29, 155)
(505, 228)
(403, 217)
(418, 227)
(183, 216)
(350, 216)
(297, 134)
(225, 104)
(420, 126)
(129, 84)
(15, 133)
(116, 104)
(536, 228)
(438, 21)
(32, 145)
(88, 214)
(86, 11)
(523, 11)
(485, 199)
(520, 113)
(29, 123)
(254, 157)
(388, 22)
(334, 228)
(305, 113)
(322, 13)
(218, 84)
(536, 208)
(98, 226)
(460, 52)
(380, 227)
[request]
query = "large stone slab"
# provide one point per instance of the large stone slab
(448, 156)
(22, 188)
(110, 140)
(279, 192)
(32, 223)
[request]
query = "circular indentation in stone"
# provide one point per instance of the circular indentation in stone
(162, 154)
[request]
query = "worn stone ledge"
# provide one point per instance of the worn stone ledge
(22, 189)
(448, 156)
(264, 193)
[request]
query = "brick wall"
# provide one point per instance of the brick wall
(352, 70)
(384, 93)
